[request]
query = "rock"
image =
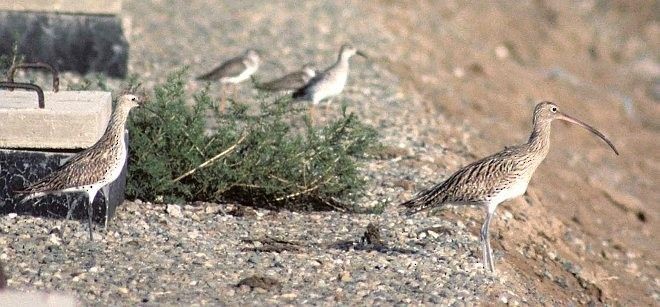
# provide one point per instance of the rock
(174, 211)
(345, 276)
(259, 282)
(502, 52)
(3, 277)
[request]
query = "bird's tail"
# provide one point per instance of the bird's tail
(424, 200)
(26, 195)
(300, 93)
(266, 86)
(204, 77)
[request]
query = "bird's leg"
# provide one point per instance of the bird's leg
(223, 97)
(485, 242)
(327, 105)
(312, 113)
(90, 212)
(234, 89)
(106, 195)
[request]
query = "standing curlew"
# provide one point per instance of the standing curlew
(499, 177)
(234, 70)
(330, 82)
(290, 81)
(94, 167)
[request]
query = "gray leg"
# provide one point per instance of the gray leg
(485, 243)
(106, 195)
(328, 103)
(90, 211)
(223, 97)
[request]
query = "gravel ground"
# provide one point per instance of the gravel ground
(196, 254)
(165, 254)
(217, 254)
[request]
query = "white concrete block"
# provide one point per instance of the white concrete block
(102, 7)
(70, 120)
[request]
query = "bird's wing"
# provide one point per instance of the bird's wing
(292, 81)
(76, 172)
(467, 184)
(302, 92)
(230, 68)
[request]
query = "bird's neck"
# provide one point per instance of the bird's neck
(115, 131)
(309, 72)
(539, 140)
(249, 62)
(342, 61)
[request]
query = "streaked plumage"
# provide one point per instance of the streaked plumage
(330, 82)
(234, 70)
(499, 177)
(93, 168)
(290, 81)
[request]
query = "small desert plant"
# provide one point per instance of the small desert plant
(265, 155)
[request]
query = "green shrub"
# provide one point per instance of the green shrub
(265, 155)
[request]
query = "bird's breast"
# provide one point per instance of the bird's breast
(514, 189)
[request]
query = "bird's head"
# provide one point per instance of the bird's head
(129, 101)
(347, 51)
(252, 55)
(545, 112)
(308, 69)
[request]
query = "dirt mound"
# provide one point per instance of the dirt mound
(488, 64)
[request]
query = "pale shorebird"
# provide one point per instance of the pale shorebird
(499, 177)
(93, 168)
(331, 82)
(290, 81)
(234, 71)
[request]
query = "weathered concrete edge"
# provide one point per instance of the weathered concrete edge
(94, 7)
(75, 126)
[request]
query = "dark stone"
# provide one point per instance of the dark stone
(3, 277)
(80, 43)
(19, 168)
(262, 282)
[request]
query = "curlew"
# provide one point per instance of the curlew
(499, 177)
(234, 71)
(93, 168)
(330, 82)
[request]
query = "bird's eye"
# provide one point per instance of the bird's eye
(133, 99)
(553, 109)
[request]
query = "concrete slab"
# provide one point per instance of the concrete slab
(102, 7)
(70, 120)
(37, 298)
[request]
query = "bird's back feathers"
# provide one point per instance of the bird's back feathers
(476, 183)
(230, 68)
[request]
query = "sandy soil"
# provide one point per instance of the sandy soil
(488, 64)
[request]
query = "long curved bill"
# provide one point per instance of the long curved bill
(362, 54)
(593, 130)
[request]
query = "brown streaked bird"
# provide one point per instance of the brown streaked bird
(93, 168)
(290, 81)
(499, 177)
(234, 70)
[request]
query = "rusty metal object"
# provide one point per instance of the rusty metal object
(26, 86)
(38, 65)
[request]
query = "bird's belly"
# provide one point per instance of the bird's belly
(240, 78)
(113, 172)
(518, 188)
(329, 89)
